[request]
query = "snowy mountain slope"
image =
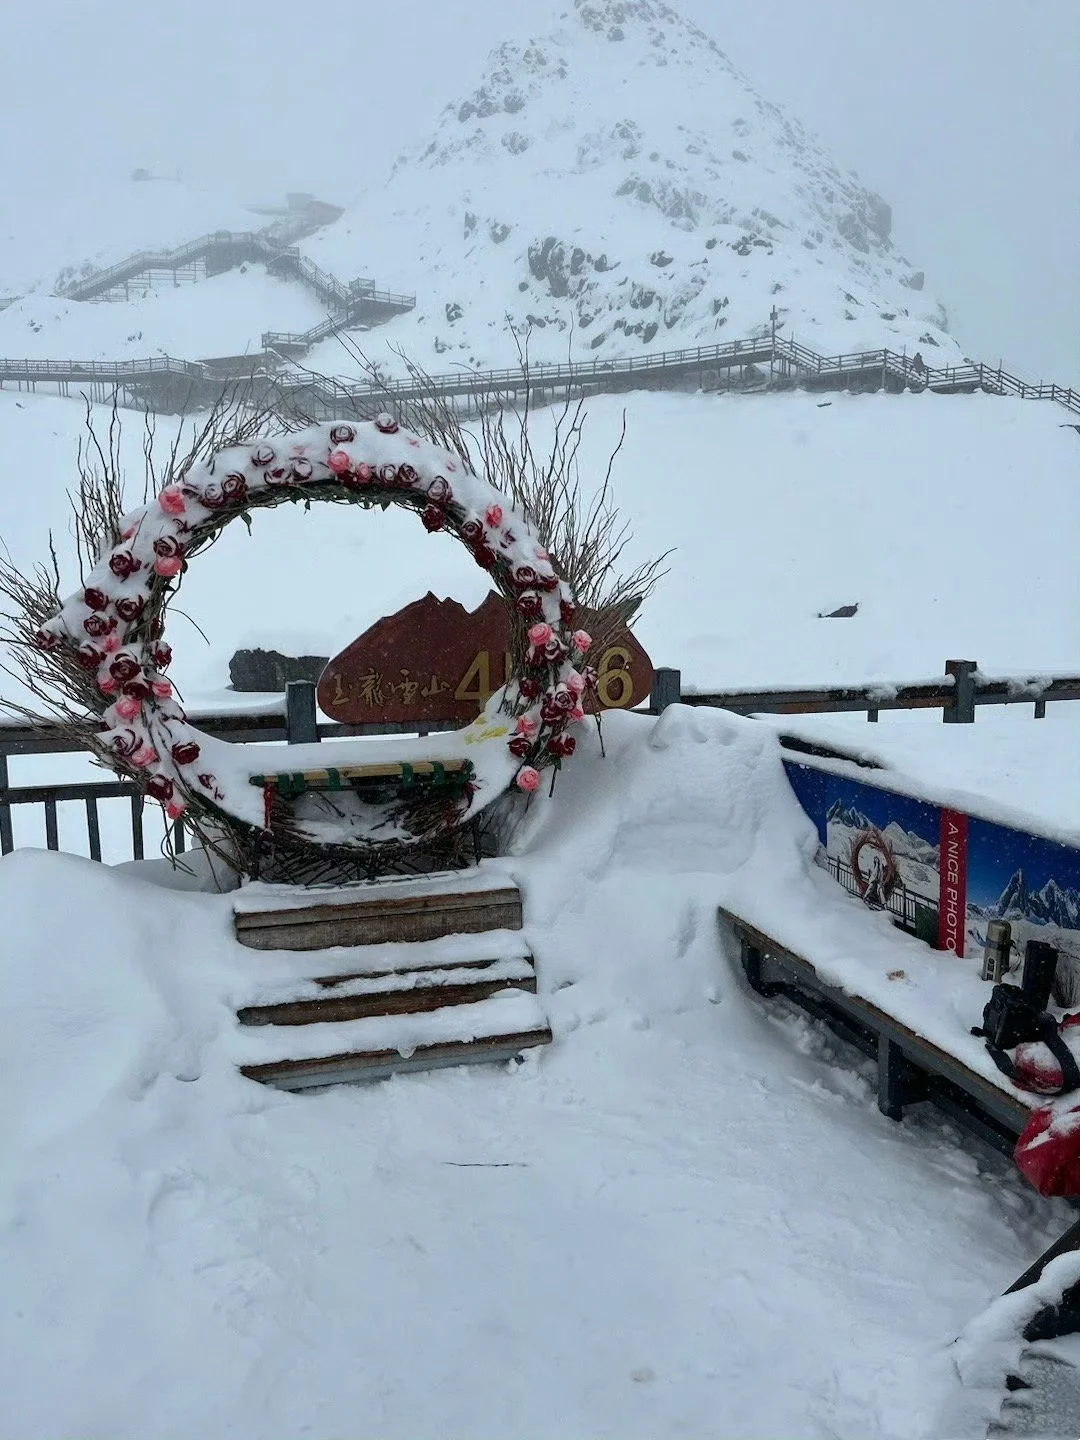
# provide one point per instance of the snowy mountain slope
(42, 235)
(224, 315)
(778, 508)
(618, 185)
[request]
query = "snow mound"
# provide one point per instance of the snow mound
(678, 1186)
(620, 187)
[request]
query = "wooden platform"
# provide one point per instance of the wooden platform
(910, 1068)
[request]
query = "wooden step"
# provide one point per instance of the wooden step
(386, 914)
(351, 1067)
(397, 993)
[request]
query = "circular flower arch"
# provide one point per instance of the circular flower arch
(112, 630)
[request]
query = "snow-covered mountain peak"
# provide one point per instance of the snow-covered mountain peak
(616, 184)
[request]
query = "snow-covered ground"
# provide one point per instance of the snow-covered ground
(683, 1218)
(225, 315)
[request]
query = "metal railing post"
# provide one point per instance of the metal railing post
(961, 711)
(7, 843)
(666, 690)
(301, 723)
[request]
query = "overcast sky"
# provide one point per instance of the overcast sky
(963, 114)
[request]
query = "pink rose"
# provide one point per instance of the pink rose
(526, 725)
(581, 640)
(527, 779)
(577, 713)
(171, 500)
(145, 755)
(111, 644)
(107, 686)
(339, 462)
(168, 566)
(493, 516)
(162, 688)
(540, 634)
(575, 683)
(175, 809)
(127, 707)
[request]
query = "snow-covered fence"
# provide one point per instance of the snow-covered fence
(957, 694)
(68, 813)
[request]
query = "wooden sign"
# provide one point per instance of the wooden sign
(436, 661)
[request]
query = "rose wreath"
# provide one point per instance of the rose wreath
(110, 634)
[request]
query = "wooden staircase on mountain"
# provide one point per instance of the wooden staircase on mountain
(370, 980)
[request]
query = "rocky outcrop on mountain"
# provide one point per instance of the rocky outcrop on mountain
(615, 186)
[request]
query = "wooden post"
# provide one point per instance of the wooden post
(962, 709)
(301, 726)
(666, 690)
(872, 716)
(1040, 709)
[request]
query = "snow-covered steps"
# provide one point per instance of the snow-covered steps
(399, 992)
(271, 917)
(301, 1057)
(363, 982)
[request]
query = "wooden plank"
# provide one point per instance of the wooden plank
(1004, 1108)
(416, 1000)
(380, 1064)
(419, 917)
(387, 770)
(329, 981)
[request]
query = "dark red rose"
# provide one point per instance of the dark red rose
(388, 474)
(386, 423)
(529, 689)
(97, 625)
(186, 752)
(561, 745)
(279, 474)
(159, 787)
(213, 495)
(138, 688)
(439, 491)
(433, 517)
(563, 698)
(122, 564)
(125, 743)
(342, 435)
(168, 547)
(567, 611)
(129, 607)
(124, 667)
(302, 469)
(162, 655)
(89, 657)
(262, 454)
(526, 578)
(407, 475)
(589, 675)
(485, 557)
(234, 488)
(554, 650)
(472, 532)
(519, 745)
(530, 604)
(549, 714)
(47, 640)
(547, 582)
(96, 599)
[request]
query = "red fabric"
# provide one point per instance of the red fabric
(1048, 1152)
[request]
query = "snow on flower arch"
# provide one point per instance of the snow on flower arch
(113, 626)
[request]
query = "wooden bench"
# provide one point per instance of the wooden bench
(910, 1068)
(436, 777)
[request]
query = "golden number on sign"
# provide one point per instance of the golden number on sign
(475, 684)
(339, 697)
(613, 682)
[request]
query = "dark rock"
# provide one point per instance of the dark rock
(845, 612)
(914, 281)
(453, 312)
(268, 671)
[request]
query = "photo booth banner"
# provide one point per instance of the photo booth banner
(941, 874)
